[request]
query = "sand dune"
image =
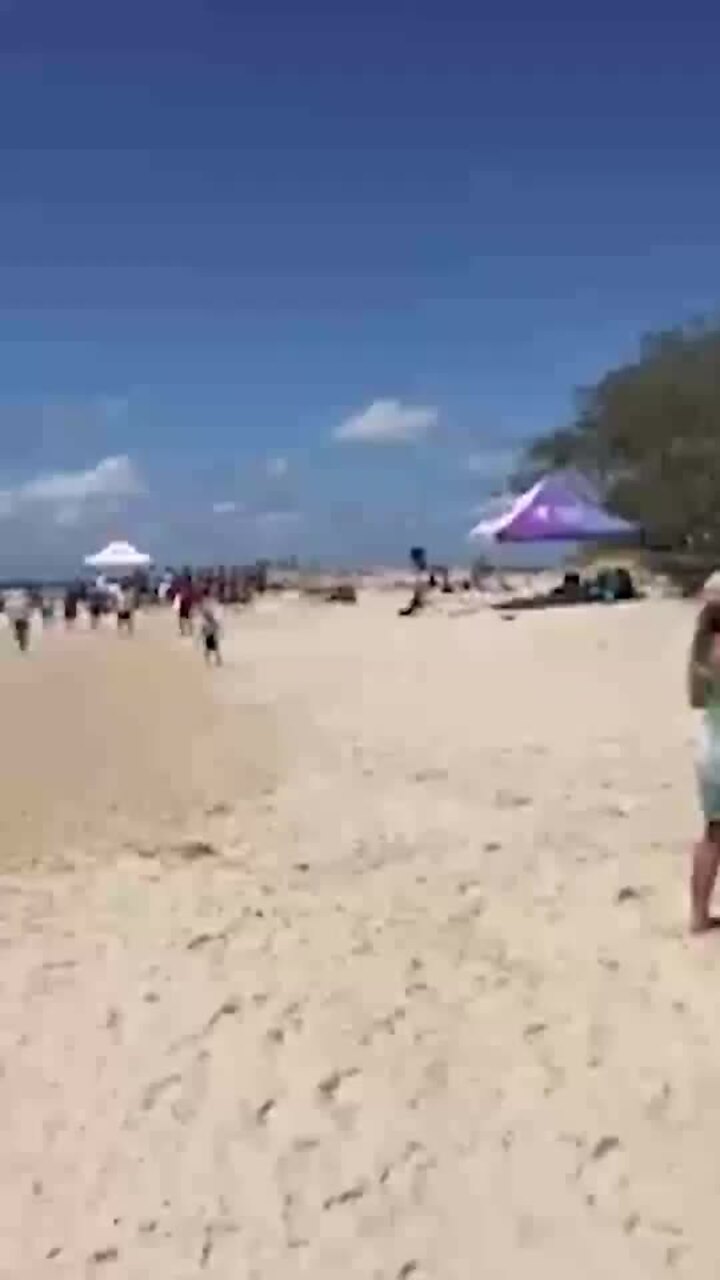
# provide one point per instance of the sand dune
(387, 976)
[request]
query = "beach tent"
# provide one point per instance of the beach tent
(118, 557)
(553, 510)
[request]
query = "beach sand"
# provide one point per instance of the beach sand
(364, 956)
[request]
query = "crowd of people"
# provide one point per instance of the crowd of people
(197, 603)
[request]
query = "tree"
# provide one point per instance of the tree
(647, 437)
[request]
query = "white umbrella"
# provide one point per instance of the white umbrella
(117, 556)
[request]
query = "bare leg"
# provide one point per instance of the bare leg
(706, 862)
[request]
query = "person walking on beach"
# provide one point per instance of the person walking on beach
(47, 611)
(126, 609)
(704, 695)
(96, 607)
(210, 632)
(18, 609)
(70, 608)
(185, 607)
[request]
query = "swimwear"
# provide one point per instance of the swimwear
(708, 757)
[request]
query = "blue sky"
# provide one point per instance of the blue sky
(301, 277)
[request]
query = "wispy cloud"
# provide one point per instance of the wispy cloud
(226, 508)
(277, 466)
(492, 462)
(387, 422)
(66, 494)
(111, 477)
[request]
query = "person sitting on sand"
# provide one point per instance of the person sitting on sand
(704, 695)
(210, 632)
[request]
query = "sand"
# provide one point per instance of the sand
(362, 957)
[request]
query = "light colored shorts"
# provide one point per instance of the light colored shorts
(708, 770)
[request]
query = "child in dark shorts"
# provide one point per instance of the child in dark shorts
(96, 608)
(70, 608)
(210, 632)
(125, 610)
(186, 604)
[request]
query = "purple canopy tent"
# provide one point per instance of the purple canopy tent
(552, 511)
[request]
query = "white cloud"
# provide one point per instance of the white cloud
(387, 422)
(277, 466)
(111, 478)
(66, 493)
(225, 508)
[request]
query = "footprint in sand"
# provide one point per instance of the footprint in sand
(230, 1008)
(600, 1169)
(157, 1089)
(329, 1088)
(406, 1176)
(101, 1256)
(263, 1113)
(348, 1196)
(385, 1026)
(194, 1090)
(289, 1021)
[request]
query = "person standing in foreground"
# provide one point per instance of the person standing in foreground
(704, 695)
(210, 632)
(18, 609)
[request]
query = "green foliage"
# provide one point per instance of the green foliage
(648, 437)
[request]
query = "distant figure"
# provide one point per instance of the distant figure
(185, 608)
(126, 610)
(18, 609)
(47, 611)
(704, 695)
(210, 631)
(70, 608)
(96, 607)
